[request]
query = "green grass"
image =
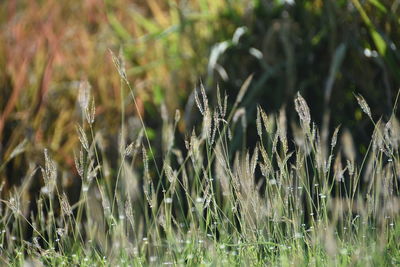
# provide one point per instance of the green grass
(111, 190)
(283, 202)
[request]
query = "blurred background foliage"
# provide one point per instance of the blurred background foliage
(327, 50)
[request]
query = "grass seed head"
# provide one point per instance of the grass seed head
(91, 112)
(196, 98)
(215, 127)
(79, 164)
(146, 165)
(82, 137)
(129, 149)
(282, 129)
(65, 206)
(207, 124)
(334, 137)
(303, 111)
(392, 133)
(49, 173)
(364, 106)
(204, 95)
(84, 94)
(170, 173)
(120, 65)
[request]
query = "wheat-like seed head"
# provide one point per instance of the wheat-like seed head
(303, 111)
(282, 130)
(299, 160)
(204, 95)
(334, 137)
(215, 127)
(129, 149)
(377, 137)
(350, 167)
(120, 65)
(146, 165)
(392, 133)
(49, 173)
(207, 124)
(79, 164)
(65, 206)
(364, 106)
(171, 174)
(90, 112)
(82, 137)
(196, 98)
(84, 94)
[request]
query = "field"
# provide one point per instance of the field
(199, 133)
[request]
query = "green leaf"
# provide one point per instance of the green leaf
(376, 37)
(378, 5)
(379, 42)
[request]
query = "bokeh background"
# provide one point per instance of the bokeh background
(327, 50)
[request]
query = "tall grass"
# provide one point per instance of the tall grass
(283, 202)
(110, 190)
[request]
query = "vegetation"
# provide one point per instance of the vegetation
(108, 157)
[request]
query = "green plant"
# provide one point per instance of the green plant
(209, 205)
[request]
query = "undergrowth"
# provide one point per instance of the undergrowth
(283, 201)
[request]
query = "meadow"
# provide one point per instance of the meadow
(199, 133)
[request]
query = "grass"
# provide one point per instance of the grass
(283, 202)
(107, 175)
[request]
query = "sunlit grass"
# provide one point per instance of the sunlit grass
(283, 202)
(87, 182)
